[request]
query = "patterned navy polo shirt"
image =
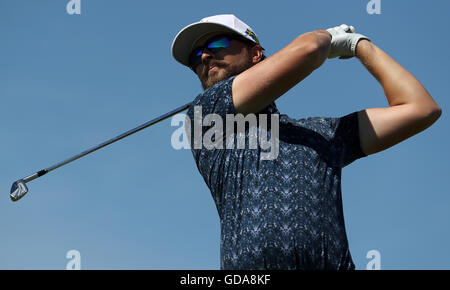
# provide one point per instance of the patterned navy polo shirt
(284, 213)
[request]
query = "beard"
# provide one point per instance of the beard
(222, 71)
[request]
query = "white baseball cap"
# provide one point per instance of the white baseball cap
(185, 41)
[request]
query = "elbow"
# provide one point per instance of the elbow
(431, 114)
(436, 113)
(427, 109)
(424, 114)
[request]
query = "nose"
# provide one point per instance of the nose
(206, 54)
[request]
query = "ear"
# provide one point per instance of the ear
(256, 53)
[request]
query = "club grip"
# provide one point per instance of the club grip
(42, 172)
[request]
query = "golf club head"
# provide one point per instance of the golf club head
(18, 190)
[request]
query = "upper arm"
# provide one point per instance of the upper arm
(258, 86)
(382, 128)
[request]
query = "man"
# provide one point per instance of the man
(286, 213)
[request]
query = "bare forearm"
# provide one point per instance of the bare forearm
(323, 42)
(277, 74)
(400, 86)
(314, 46)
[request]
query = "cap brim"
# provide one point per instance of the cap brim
(185, 40)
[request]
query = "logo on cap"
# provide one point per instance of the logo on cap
(252, 35)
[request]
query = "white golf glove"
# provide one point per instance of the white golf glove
(344, 41)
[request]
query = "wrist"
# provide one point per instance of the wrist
(363, 47)
(325, 34)
(323, 39)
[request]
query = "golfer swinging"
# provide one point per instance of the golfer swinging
(286, 213)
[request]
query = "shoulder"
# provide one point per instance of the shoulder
(328, 127)
(319, 123)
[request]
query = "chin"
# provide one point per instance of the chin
(213, 79)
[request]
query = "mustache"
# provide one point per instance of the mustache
(207, 64)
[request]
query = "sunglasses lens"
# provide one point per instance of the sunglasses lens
(196, 58)
(217, 44)
(214, 45)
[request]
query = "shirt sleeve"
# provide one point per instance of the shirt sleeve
(347, 135)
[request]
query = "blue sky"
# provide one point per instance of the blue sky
(69, 82)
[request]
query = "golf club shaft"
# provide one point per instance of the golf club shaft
(106, 143)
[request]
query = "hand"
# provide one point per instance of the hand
(344, 41)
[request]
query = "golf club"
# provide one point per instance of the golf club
(19, 187)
